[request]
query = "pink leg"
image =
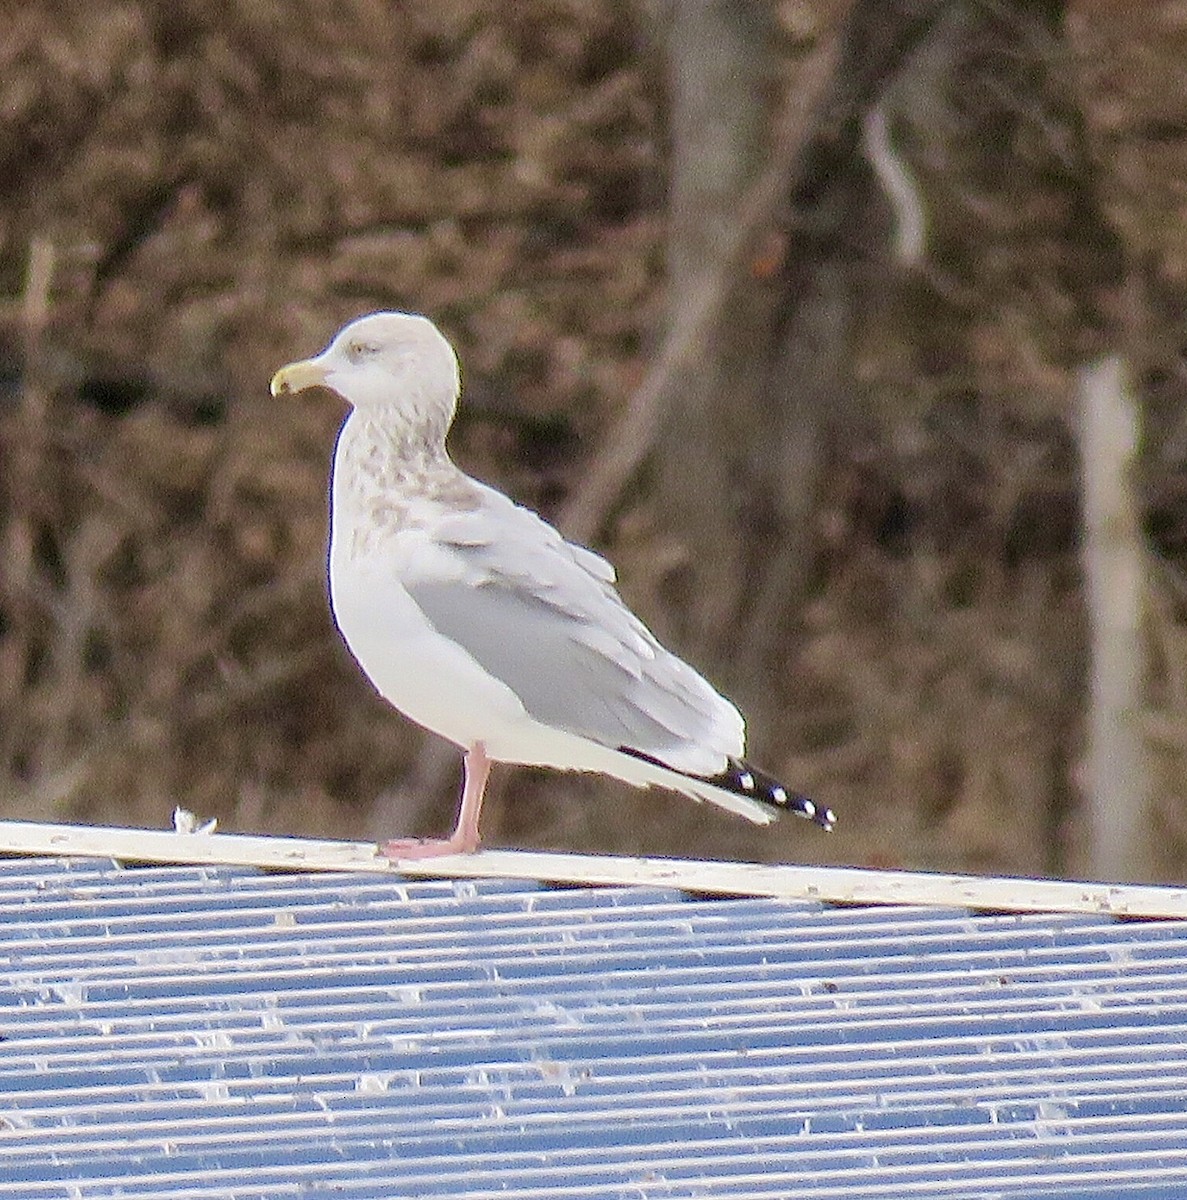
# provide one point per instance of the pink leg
(464, 839)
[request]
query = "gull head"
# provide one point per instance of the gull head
(396, 368)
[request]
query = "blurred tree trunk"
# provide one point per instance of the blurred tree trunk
(839, 234)
(1115, 575)
(719, 61)
(1131, 72)
(741, 454)
(807, 398)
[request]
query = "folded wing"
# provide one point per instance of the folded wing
(543, 616)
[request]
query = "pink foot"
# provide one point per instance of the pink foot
(464, 839)
(410, 849)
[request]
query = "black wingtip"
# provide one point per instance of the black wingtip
(744, 780)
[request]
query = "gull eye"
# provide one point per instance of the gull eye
(357, 351)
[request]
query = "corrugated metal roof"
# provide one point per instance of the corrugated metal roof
(218, 1032)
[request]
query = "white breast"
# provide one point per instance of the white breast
(429, 678)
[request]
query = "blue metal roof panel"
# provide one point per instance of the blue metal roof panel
(219, 1032)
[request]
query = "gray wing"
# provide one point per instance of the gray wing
(542, 615)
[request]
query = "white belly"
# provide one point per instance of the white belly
(429, 678)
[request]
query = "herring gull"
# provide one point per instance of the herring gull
(478, 621)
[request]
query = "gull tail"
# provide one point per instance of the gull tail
(742, 779)
(741, 789)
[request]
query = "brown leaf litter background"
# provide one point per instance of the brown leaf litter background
(193, 193)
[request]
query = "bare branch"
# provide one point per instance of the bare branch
(629, 443)
(899, 186)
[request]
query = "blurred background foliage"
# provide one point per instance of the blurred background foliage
(788, 306)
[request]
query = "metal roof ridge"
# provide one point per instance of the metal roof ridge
(837, 885)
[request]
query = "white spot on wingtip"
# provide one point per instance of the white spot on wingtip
(746, 781)
(779, 795)
(809, 809)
